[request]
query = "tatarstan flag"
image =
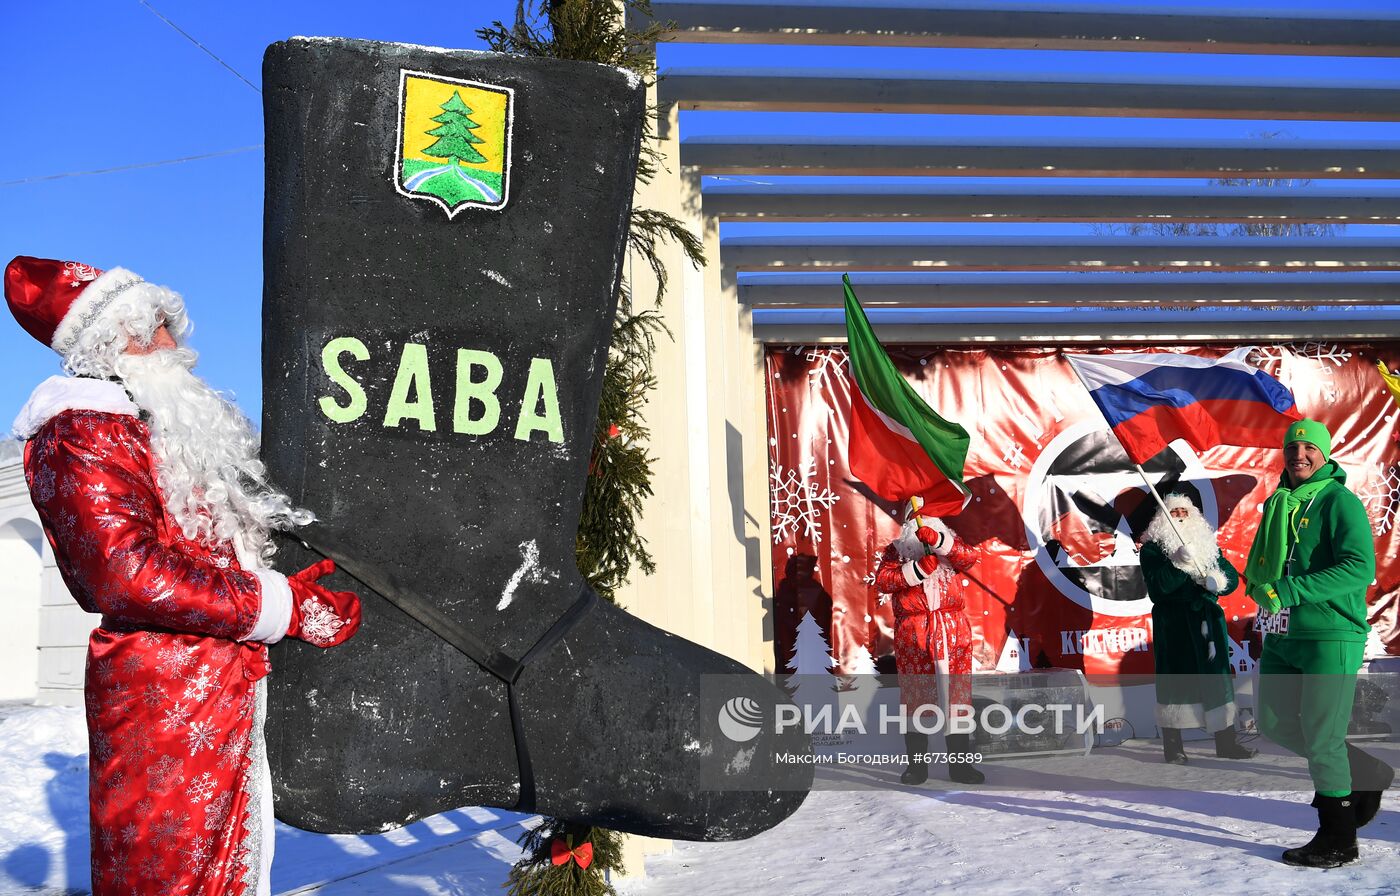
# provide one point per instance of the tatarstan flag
(898, 446)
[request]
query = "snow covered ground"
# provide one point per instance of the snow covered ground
(877, 842)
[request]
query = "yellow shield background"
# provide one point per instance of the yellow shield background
(453, 182)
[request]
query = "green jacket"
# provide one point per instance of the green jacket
(1332, 562)
(1186, 618)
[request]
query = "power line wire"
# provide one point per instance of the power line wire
(207, 155)
(191, 39)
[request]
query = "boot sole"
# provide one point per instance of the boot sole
(1329, 859)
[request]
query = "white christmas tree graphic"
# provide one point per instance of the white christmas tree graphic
(859, 698)
(811, 682)
(860, 681)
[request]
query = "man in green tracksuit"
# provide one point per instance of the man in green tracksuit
(1309, 567)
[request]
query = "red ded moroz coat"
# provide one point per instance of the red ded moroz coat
(932, 638)
(179, 791)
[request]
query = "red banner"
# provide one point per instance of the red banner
(1056, 503)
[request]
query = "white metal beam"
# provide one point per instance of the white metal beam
(1049, 253)
(767, 156)
(994, 27)
(767, 90)
(1050, 203)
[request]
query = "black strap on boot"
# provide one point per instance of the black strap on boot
(491, 659)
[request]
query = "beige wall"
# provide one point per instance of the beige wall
(707, 521)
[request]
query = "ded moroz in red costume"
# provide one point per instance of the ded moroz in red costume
(180, 796)
(932, 638)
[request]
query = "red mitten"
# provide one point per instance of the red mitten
(321, 617)
(937, 536)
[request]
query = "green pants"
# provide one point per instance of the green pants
(1305, 694)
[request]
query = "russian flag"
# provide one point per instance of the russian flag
(1151, 399)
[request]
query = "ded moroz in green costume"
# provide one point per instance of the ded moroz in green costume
(1312, 560)
(1185, 574)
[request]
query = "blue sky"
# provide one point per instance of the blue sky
(106, 84)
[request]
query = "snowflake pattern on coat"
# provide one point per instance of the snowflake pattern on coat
(319, 624)
(170, 690)
(932, 637)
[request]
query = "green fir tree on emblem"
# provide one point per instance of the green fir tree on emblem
(447, 168)
(454, 134)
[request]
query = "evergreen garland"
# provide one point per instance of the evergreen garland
(537, 875)
(619, 480)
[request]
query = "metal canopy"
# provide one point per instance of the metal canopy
(1091, 158)
(1071, 329)
(1011, 28)
(1073, 289)
(1054, 203)
(1043, 253)
(1046, 289)
(760, 90)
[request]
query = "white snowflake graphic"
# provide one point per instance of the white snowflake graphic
(869, 579)
(198, 685)
(1382, 497)
(197, 852)
(1327, 353)
(152, 696)
(826, 364)
(319, 623)
(165, 774)
(1014, 455)
(168, 830)
(150, 866)
(175, 659)
(176, 716)
(200, 736)
(796, 502)
(1323, 351)
(217, 811)
(202, 787)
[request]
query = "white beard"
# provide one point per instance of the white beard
(1200, 555)
(908, 545)
(206, 457)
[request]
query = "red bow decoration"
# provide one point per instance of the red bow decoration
(560, 853)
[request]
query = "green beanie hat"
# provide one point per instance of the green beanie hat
(1313, 433)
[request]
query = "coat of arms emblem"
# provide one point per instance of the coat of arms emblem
(454, 141)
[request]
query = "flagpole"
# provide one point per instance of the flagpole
(1171, 521)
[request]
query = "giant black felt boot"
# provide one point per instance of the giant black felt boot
(915, 749)
(1228, 746)
(1370, 777)
(1334, 844)
(444, 242)
(1173, 750)
(963, 771)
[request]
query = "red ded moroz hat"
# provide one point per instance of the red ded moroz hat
(56, 300)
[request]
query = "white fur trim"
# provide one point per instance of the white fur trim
(912, 574)
(1181, 715)
(1220, 717)
(276, 613)
(90, 305)
(67, 393)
